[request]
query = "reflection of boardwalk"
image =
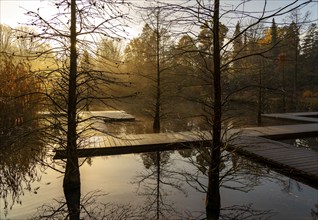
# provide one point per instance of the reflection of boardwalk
(250, 141)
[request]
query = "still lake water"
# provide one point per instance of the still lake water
(129, 182)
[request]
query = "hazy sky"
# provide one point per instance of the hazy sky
(12, 11)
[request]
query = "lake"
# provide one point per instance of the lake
(141, 186)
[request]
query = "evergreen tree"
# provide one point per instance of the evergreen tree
(274, 40)
(237, 50)
(310, 56)
(238, 39)
(292, 47)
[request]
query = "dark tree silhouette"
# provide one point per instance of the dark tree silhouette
(204, 12)
(67, 84)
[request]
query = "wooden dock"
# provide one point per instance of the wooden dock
(138, 143)
(302, 117)
(283, 131)
(301, 162)
(291, 160)
(110, 116)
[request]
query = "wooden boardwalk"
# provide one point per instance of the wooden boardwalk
(301, 162)
(109, 116)
(137, 143)
(302, 117)
(292, 160)
(283, 131)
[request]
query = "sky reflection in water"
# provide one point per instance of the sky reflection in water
(117, 176)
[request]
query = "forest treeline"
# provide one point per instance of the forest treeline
(268, 68)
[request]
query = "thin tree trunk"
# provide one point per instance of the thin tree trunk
(284, 90)
(295, 79)
(71, 182)
(260, 96)
(213, 202)
(156, 123)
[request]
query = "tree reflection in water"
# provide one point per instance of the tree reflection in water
(153, 183)
(236, 173)
(19, 154)
(90, 208)
(162, 173)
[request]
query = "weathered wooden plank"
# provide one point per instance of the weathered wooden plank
(312, 162)
(279, 152)
(300, 161)
(134, 139)
(111, 141)
(117, 141)
(91, 152)
(105, 142)
(125, 141)
(300, 116)
(109, 116)
(249, 142)
(294, 158)
(283, 131)
(96, 141)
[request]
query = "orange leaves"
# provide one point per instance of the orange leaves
(15, 85)
(266, 40)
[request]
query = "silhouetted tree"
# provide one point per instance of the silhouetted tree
(70, 36)
(155, 59)
(215, 50)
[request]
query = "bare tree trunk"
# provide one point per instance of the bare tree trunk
(260, 96)
(156, 123)
(213, 192)
(295, 79)
(71, 182)
(284, 91)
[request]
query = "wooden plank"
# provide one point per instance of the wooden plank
(90, 152)
(117, 142)
(303, 161)
(96, 141)
(134, 140)
(106, 144)
(110, 116)
(160, 138)
(309, 169)
(280, 152)
(111, 141)
(283, 131)
(300, 160)
(300, 116)
(143, 139)
(293, 157)
(125, 141)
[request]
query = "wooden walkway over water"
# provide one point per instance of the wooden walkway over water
(302, 117)
(301, 162)
(292, 160)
